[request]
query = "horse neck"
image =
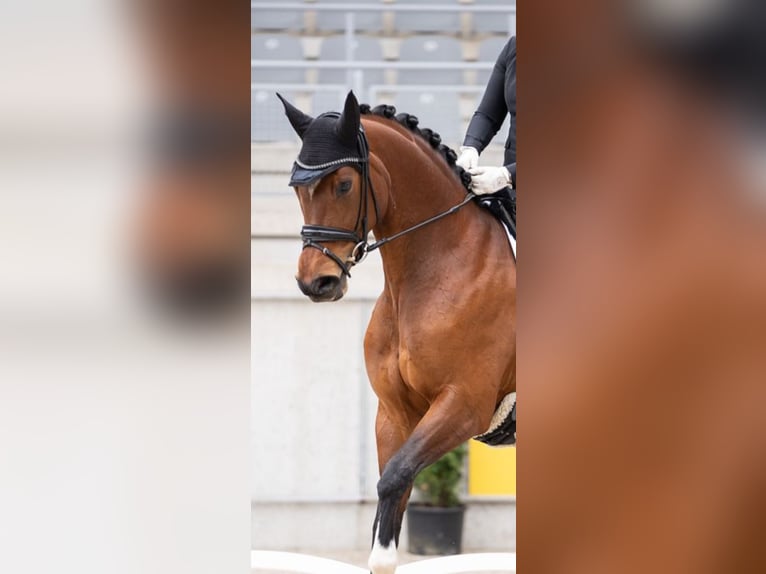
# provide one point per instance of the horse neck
(421, 186)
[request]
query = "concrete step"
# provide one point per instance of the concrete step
(275, 215)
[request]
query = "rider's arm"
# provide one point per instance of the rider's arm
(491, 113)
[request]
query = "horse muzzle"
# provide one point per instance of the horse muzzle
(325, 288)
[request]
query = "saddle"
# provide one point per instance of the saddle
(501, 204)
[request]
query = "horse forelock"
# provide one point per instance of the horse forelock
(408, 125)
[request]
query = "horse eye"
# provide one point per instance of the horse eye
(344, 187)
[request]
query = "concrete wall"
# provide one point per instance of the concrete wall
(314, 466)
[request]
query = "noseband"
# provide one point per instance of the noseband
(315, 235)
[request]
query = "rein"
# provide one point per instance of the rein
(373, 246)
(314, 235)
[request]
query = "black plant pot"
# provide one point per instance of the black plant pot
(435, 531)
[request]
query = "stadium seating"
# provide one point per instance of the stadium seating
(275, 20)
(489, 50)
(494, 23)
(491, 47)
(433, 22)
(335, 21)
(276, 47)
(439, 111)
(443, 49)
(441, 37)
(365, 48)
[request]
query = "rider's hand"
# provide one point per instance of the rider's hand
(468, 158)
(486, 180)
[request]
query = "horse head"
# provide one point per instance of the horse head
(331, 181)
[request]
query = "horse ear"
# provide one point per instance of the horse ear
(348, 125)
(298, 119)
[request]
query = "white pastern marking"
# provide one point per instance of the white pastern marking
(383, 559)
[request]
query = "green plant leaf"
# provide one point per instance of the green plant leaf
(439, 483)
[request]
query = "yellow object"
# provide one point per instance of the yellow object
(491, 471)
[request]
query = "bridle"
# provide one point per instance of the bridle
(315, 235)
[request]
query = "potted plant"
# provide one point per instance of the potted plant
(435, 516)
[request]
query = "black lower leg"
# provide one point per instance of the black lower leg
(393, 487)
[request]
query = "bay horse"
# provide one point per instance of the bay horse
(440, 348)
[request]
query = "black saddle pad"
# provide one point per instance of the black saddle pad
(502, 205)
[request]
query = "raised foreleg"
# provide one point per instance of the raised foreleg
(446, 425)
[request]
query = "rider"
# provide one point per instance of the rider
(499, 100)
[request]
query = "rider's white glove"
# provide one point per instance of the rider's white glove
(489, 179)
(468, 158)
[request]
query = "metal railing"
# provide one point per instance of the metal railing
(358, 70)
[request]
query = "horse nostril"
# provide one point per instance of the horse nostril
(305, 288)
(325, 285)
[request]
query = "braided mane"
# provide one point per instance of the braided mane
(433, 138)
